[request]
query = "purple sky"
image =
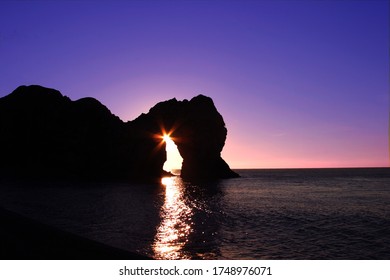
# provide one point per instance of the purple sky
(299, 83)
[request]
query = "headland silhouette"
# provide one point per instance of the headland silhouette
(45, 135)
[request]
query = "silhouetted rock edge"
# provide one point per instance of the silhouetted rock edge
(46, 135)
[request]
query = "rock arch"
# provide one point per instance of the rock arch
(199, 132)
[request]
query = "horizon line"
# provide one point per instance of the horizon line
(280, 168)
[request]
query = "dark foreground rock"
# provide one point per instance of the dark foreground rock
(24, 239)
(45, 135)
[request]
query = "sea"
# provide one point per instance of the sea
(265, 214)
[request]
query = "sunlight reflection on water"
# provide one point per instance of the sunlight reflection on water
(176, 222)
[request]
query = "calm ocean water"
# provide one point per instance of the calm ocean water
(265, 214)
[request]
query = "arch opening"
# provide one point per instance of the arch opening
(174, 160)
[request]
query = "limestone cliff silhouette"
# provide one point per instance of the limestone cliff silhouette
(44, 134)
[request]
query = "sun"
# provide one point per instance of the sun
(166, 138)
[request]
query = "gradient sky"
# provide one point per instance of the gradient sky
(299, 83)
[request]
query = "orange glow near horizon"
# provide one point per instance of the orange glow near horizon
(268, 155)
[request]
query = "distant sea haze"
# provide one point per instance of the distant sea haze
(265, 214)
